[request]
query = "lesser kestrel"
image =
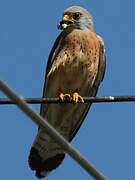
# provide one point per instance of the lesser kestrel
(76, 67)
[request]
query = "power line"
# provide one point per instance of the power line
(51, 131)
(57, 100)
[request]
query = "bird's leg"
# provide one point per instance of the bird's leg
(64, 96)
(77, 97)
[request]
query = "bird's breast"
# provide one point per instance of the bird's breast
(76, 65)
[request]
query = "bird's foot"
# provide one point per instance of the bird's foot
(77, 98)
(64, 96)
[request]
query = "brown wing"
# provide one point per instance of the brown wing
(100, 75)
(52, 57)
(54, 52)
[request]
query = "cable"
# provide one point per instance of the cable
(57, 100)
(51, 131)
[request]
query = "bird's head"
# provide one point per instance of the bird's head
(76, 17)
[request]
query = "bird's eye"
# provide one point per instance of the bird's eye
(76, 15)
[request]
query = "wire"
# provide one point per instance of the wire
(51, 131)
(57, 100)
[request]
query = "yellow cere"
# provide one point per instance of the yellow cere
(66, 16)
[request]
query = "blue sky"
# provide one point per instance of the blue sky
(28, 29)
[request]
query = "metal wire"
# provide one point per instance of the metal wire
(51, 131)
(57, 100)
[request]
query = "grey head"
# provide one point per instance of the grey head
(76, 17)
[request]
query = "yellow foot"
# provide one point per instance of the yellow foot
(77, 97)
(64, 96)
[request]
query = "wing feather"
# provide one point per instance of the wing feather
(52, 57)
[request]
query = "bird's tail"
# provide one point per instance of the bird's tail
(45, 155)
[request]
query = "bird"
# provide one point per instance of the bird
(75, 68)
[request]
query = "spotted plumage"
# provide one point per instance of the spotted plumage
(76, 64)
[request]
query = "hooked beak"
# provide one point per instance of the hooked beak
(66, 22)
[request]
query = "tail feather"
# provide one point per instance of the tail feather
(43, 167)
